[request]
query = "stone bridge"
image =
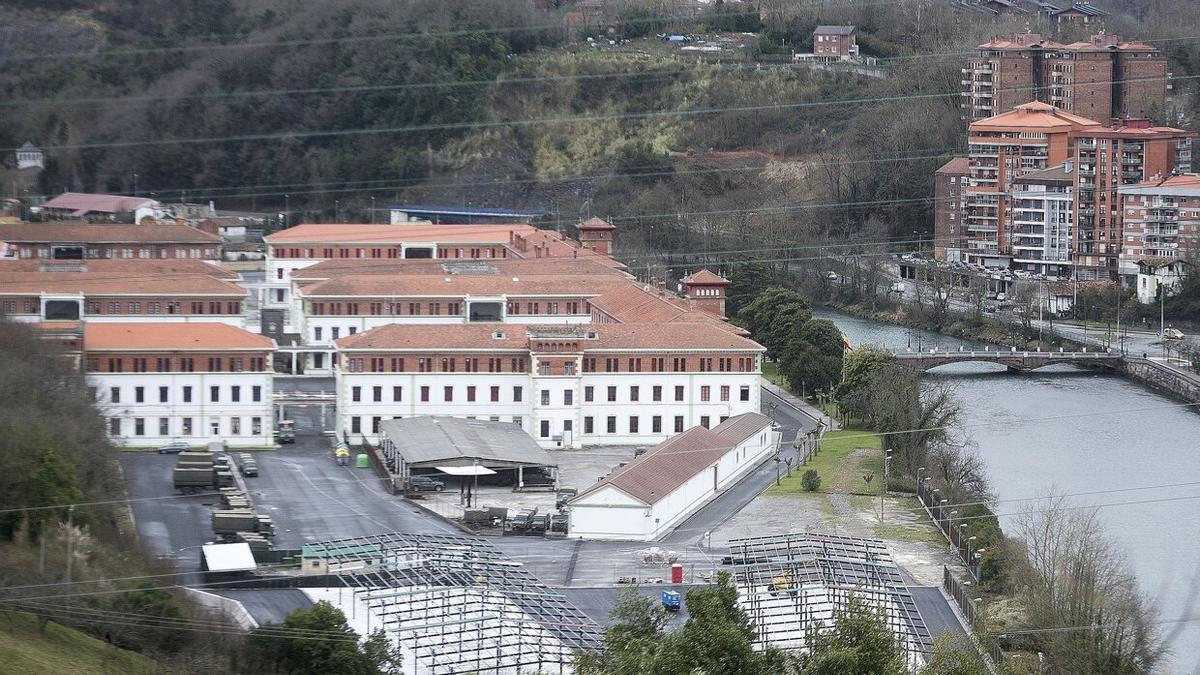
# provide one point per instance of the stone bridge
(1021, 361)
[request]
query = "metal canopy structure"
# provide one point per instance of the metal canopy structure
(430, 441)
(459, 605)
(794, 584)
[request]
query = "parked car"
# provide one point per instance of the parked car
(174, 448)
(1173, 334)
(425, 484)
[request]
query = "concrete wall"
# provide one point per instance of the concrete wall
(1163, 378)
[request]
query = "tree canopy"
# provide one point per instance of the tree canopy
(318, 640)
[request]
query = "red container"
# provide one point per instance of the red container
(677, 573)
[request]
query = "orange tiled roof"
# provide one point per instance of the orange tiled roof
(678, 459)
(328, 269)
(482, 337)
(170, 337)
(109, 267)
(379, 285)
(704, 276)
(105, 233)
(1035, 115)
(958, 165)
(177, 284)
(596, 224)
(386, 233)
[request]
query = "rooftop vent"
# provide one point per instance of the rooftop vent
(498, 335)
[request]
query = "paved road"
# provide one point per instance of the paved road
(939, 616)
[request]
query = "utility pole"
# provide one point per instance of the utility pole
(70, 539)
(1162, 316)
(887, 467)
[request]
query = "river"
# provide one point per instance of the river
(1081, 431)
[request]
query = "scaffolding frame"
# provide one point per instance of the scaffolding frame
(460, 605)
(793, 586)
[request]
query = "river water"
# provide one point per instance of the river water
(1080, 431)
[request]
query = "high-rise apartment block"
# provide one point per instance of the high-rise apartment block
(1043, 188)
(1098, 79)
(1162, 220)
(949, 209)
(1127, 153)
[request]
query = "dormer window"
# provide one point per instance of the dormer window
(498, 335)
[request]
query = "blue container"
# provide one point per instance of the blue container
(671, 601)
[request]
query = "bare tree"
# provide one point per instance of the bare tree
(1084, 610)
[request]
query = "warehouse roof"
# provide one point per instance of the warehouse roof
(385, 233)
(82, 203)
(430, 441)
(670, 464)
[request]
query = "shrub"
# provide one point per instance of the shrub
(810, 481)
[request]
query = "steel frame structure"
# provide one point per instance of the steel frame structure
(459, 605)
(793, 586)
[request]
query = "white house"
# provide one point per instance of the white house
(160, 382)
(1152, 274)
(657, 491)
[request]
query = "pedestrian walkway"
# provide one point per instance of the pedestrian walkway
(804, 407)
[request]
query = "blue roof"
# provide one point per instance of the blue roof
(465, 211)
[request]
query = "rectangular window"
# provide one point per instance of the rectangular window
(633, 425)
(164, 426)
(544, 428)
(470, 394)
(588, 425)
(448, 394)
(724, 392)
(235, 393)
(705, 392)
(214, 394)
(139, 394)
(744, 393)
(114, 394)
(656, 424)
(494, 393)
(679, 424)
(588, 394)
(187, 394)
(679, 392)
(186, 424)
(424, 394)
(256, 393)
(612, 393)
(377, 394)
(568, 397)
(704, 421)
(356, 425)
(634, 392)
(139, 426)
(235, 426)
(114, 426)
(517, 394)
(356, 394)
(375, 421)
(611, 424)
(163, 394)
(545, 396)
(656, 392)
(317, 333)
(397, 394)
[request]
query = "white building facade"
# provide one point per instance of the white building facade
(157, 383)
(565, 386)
(650, 496)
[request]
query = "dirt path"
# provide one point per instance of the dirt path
(849, 478)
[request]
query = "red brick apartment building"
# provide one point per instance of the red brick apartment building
(106, 241)
(949, 209)
(1098, 79)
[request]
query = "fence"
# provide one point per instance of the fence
(960, 592)
(956, 534)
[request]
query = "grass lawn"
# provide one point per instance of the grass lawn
(62, 651)
(839, 470)
(770, 370)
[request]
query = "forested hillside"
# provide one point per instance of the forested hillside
(493, 102)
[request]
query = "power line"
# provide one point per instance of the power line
(561, 119)
(389, 37)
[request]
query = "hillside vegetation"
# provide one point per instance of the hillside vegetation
(62, 650)
(493, 102)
